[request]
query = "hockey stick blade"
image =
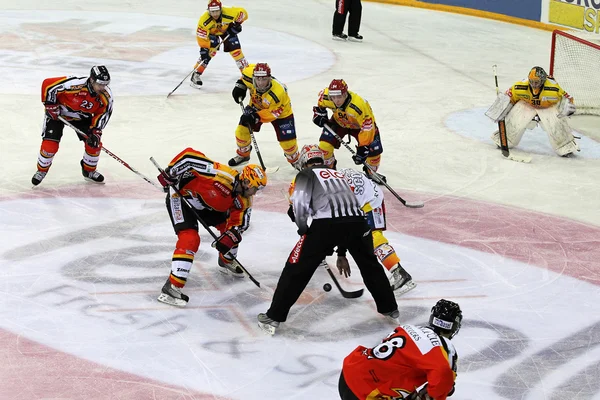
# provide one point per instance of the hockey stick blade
(271, 170)
(414, 204)
(345, 294)
(523, 159)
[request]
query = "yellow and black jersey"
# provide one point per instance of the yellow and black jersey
(550, 94)
(271, 105)
(355, 113)
(209, 26)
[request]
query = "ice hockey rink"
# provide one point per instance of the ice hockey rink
(516, 245)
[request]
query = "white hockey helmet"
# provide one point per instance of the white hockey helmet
(311, 153)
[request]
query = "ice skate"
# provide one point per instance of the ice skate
(238, 160)
(355, 38)
(394, 315)
(38, 178)
(401, 281)
(172, 295)
(267, 324)
(227, 268)
(92, 176)
(196, 80)
(341, 37)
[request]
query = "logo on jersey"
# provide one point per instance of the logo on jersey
(222, 188)
(330, 174)
(295, 255)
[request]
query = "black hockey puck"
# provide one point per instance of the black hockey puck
(327, 287)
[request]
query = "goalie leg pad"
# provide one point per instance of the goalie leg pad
(558, 130)
(517, 120)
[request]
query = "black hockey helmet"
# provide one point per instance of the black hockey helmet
(99, 74)
(445, 318)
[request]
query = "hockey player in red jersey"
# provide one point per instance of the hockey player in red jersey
(405, 360)
(222, 197)
(84, 102)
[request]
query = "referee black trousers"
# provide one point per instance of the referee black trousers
(324, 235)
(343, 8)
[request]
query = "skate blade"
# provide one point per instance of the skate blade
(172, 301)
(267, 328)
(227, 271)
(407, 287)
(195, 86)
(93, 181)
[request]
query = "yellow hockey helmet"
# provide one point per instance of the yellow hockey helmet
(255, 175)
(537, 77)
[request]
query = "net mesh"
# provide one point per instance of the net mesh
(575, 65)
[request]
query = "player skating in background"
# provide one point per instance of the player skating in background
(222, 197)
(406, 359)
(337, 221)
(372, 203)
(352, 115)
(84, 102)
(269, 103)
(217, 23)
(537, 99)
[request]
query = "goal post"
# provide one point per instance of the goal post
(575, 64)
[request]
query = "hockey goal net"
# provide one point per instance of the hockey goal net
(575, 64)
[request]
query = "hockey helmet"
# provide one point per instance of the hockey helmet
(215, 5)
(255, 175)
(445, 318)
(262, 71)
(537, 77)
(311, 153)
(338, 87)
(99, 74)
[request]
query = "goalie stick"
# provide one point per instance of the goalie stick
(110, 153)
(345, 294)
(409, 204)
(255, 144)
(502, 131)
(210, 231)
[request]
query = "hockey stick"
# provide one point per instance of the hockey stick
(195, 66)
(210, 231)
(255, 144)
(345, 294)
(110, 153)
(502, 130)
(413, 204)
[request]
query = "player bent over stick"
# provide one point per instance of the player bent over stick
(537, 99)
(269, 103)
(221, 197)
(353, 116)
(407, 358)
(337, 221)
(84, 102)
(218, 21)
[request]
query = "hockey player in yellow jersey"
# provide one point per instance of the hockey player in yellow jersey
(537, 99)
(219, 22)
(269, 103)
(352, 115)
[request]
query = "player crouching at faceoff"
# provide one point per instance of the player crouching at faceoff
(216, 22)
(352, 115)
(221, 197)
(269, 103)
(337, 221)
(371, 200)
(537, 99)
(406, 359)
(86, 103)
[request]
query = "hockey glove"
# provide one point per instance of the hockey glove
(290, 213)
(204, 56)
(94, 137)
(233, 29)
(320, 116)
(227, 241)
(567, 110)
(250, 116)
(166, 180)
(239, 91)
(53, 110)
(362, 152)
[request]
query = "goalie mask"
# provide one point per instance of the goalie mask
(537, 77)
(261, 77)
(311, 153)
(253, 177)
(445, 318)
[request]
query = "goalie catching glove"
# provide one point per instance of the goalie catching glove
(228, 240)
(566, 108)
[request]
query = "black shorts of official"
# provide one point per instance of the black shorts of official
(53, 128)
(344, 390)
(182, 217)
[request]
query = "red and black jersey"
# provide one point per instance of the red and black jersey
(406, 359)
(77, 102)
